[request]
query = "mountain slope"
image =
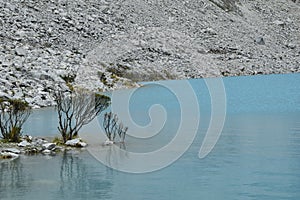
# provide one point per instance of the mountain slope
(111, 44)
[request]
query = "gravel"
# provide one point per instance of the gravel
(100, 45)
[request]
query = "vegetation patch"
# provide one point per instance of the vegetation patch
(13, 114)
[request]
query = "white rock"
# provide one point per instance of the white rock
(2, 94)
(12, 150)
(108, 142)
(73, 142)
(46, 151)
(76, 143)
(82, 144)
(279, 23)
(48, 146)
(24, 144)
(8, 155)
(20, 51)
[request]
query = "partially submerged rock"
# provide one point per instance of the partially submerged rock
(47, 151)
(8, 155)
(108, 142)
(12, 150)
(48, 146)
(76, 143)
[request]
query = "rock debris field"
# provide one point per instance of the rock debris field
(50, 45)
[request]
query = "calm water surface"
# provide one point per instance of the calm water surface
(256, 157)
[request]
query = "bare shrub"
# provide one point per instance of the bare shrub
(78, 109)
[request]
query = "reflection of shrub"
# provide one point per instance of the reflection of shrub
(13, 114)
(77, 110)
(112, 127)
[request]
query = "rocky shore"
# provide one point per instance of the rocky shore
(48, 45)
(37, 145)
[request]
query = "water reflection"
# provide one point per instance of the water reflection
(72, 175)
(80, 179)
(257, 156)
(13, 178)
(67, 175)
(116, 154)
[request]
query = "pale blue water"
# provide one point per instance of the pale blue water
(256, 157)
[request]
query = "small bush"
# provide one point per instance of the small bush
(58, 141)
(13, 114)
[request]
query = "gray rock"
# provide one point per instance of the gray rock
(291, 45)
(12, 150)
(48, 146)
(7, 96)
(24, 144)
(260, 41)
(279, 23)
(46, 151)
(76, 143)
(20, 51)
(2, 59)
(8, 155)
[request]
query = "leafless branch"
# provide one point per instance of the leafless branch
(78, 109)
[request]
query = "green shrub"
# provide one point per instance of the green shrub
(13, 114)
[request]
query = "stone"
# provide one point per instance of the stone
(38, 101)
(47, 151)
(32, 150)
(108, 142)
(82, 144)
(279, 23)
(76, 143)
(8, 155)
(2, 59)
(260, 41)
(12, 150)
(20, 51)
(48, 146)
(20, 33)
(39, 141)
(290, 45)
(24, 144)
(7, 96)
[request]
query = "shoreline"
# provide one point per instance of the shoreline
(45, 145)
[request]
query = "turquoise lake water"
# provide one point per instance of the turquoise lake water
(256, 157)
